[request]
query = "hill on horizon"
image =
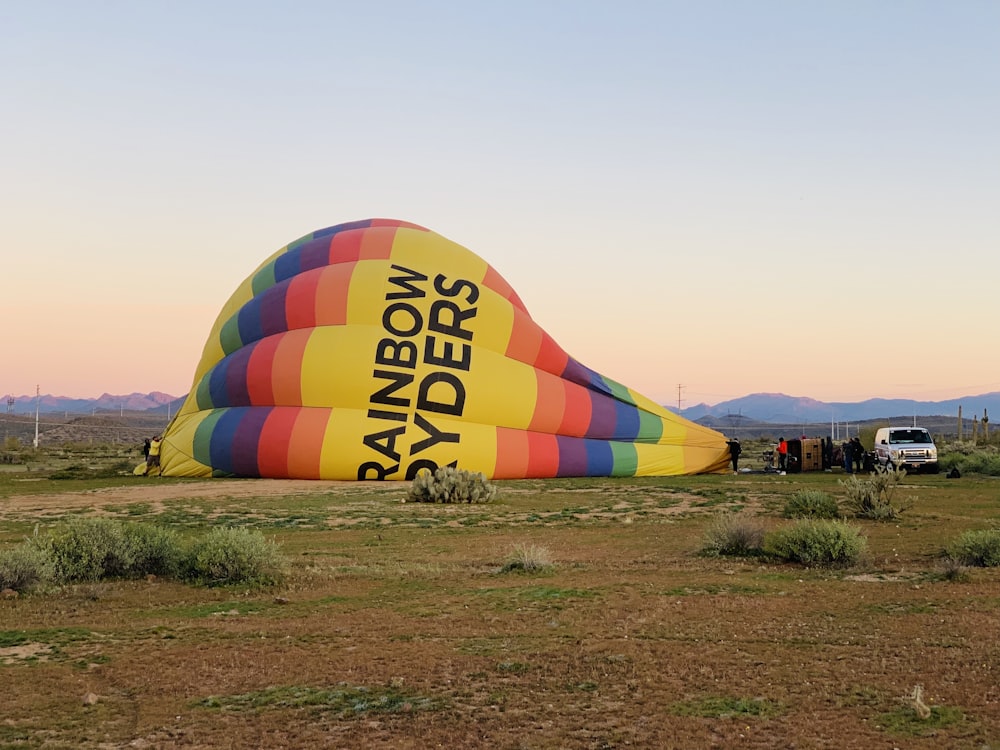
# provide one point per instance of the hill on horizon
(759, 407)
(779, 408)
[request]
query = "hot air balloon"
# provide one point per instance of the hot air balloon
(375, 349)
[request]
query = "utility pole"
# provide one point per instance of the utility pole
(38, 398)
(679, 386)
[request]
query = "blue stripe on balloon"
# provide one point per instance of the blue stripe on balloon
(627, 421)
(288, 265)
(250, 322)
(600, 458)
(221, 446)
(217, 386)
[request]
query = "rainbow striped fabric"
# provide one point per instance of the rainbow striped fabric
(375, 349)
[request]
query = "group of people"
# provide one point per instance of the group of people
(852, 454)
(854, 457)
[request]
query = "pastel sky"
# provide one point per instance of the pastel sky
(731, 197)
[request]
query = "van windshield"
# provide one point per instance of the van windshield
(910, 436)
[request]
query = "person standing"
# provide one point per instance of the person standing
(782, 454)
(735, 449)
(847, 455)
(857, 453)
(153, 459)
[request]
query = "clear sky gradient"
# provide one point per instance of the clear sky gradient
(732, 197)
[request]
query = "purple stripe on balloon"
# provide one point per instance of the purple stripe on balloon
(602, 417)
(246, 438)
(572, 456)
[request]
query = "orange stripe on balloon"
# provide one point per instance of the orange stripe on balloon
(550, 403)
(543, 455)
(331, 294)
(512, 454)
(399, 224)
(300, 310)
(496, 282)
(275, 437)
(306, 444)
(525, 339)
(286, 373)
(259, 371)
(377, 243)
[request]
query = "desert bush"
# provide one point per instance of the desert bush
(811, 504)
(980, 549)
(155, 549)
(818, 542)
(528, 558)
(88, 549)
(736, 534)
(450, 485)
(234, 555)
(24, 567)
(874, 496)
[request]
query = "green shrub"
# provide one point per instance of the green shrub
(980, 549)
(874, 496)
(817, 542)
(736, 534)
(528, 558)
(24, 567)
(156, 550)
(234, 555)
(88, 549)
(811, 504)
(450, 485)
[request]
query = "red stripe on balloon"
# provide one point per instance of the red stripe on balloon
(551, 356)
(576, 417)
(300, 307)
(275, 437)
(543, 455)
(346, 246)
(260, 371)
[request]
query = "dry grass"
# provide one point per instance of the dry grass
(394, 628)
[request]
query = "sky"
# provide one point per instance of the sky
(699, 200)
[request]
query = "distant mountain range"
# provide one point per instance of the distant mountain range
(782, 409)
(759, 407)
(155, 401)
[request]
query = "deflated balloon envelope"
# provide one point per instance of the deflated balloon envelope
(374, 349)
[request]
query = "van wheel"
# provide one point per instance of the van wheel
(890, 466)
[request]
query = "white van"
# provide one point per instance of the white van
(905, 448)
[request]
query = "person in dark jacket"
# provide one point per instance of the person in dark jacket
(857, 453)
(735, 449)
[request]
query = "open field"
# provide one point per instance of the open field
(398, 629)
